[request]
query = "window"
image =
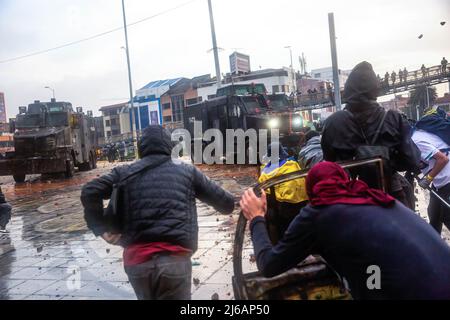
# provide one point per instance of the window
(177, 107)
(107, 123)
(211, 96)
(113, 122)
(167, 118)
(115, 132)
(316, 75)
(191, 101)
(285, 88)
(108, 134)
(113, 112)
(200, 99)
(166, 106)
(275, 89)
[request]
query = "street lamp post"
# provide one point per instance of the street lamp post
(53, 90)
(334, 61)
(294, 81)
(130, 84)
(214, 42)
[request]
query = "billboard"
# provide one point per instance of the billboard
(239, 63)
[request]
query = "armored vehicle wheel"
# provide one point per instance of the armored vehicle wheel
(88, 165)
(19, 178)
(93, 161)
(70, 169)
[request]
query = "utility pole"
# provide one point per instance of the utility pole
(130, 84)
(294, 84)
(302, 61)
(337, 88)
(215, 49)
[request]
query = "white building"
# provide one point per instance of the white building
(326, 74)
(275, 81)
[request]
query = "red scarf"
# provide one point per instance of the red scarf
(327, 183)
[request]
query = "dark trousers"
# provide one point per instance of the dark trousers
(164, 277)
(5, 214)
(438, 212)
(279, 216)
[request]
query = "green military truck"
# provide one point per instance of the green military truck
(50, 137)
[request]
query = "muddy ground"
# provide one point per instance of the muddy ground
(50, 254)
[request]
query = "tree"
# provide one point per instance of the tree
(418, 98)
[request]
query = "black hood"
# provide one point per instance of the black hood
(155, 140)
(362, 87)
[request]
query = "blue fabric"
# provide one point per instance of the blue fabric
(282, 153)
(436, 123)
(273, 166)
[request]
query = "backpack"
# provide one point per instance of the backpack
(371, 150)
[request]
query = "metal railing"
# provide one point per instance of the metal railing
(413, 79)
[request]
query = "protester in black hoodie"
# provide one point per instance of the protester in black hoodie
(159, 229)
(344, 132)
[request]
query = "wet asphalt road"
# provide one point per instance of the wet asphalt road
(50, 254)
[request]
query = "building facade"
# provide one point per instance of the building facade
(149, 102)
(326, 74)
(181, 95)
(304, 84)
(112, 124)
(398, 103)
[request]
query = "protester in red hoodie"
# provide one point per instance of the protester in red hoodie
(354, 228)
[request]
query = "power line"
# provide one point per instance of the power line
(98, 35)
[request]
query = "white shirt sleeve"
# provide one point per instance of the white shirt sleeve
(427, 150)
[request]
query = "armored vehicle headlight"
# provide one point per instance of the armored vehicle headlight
(273, 123)
(297, 122)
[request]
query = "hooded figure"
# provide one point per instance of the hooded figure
(346, 130)
(159, 216)
(436, 122)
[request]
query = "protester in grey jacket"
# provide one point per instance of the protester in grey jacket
(311, 153)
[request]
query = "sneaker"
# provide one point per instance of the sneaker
(3, 229)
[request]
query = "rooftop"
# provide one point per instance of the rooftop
(160, 83)
(113, 106)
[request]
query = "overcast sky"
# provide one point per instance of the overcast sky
(175, 44)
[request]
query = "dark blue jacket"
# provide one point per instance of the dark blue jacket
(160, 201)
(413, 259)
